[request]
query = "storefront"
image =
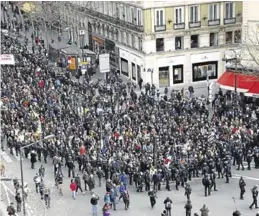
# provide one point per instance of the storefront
(170, 70)
(98, 44)
(164, 76)
(178, 74)
(205, 66)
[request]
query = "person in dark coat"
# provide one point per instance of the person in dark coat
(242, 185)
(33, 159)
(188, 208)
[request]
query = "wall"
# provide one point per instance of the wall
(186, 59)
(204, 13)
(147, 21)
(169, 15)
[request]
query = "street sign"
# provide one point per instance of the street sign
(84, 63)
(104, 63)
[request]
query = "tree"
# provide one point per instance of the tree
(245, 58)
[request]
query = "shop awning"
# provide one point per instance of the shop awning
(245, 83)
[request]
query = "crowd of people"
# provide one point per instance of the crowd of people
(110, 131)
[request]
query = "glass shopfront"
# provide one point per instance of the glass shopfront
(177, 74)
(163, 76)
(200, 71)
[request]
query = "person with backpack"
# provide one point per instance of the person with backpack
(168, 206)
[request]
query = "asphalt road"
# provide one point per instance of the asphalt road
(219, 203)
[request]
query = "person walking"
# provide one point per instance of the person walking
(94, 202)
(18, 199)
(254, 195)
(188, 208)
(204, 211)
(78, 184)
(11, 210)
(2, 169)
(73, 187)
(152, 196)
(242, 185)
(168, 206)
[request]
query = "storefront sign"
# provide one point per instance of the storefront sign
(176, 60)
(98, 40)
(7, 59)
(205, 57)
(136, 59)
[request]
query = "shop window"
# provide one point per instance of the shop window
(159, 44)
(163, 76)
(124, 67)
(177, 74)
(213, 39)
(194, 41)
(237, 37)
(133, 68)
(178, 43)
(138, 72)
(202, 71)
(229, 37)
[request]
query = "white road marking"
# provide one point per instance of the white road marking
(6, 157)
(246, 177)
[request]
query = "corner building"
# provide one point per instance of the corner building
(167, 43)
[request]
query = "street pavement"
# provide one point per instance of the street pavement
(219, 203)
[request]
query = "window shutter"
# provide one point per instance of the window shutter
(157, 18)
(161, 17)
(191, 12)
(227, 10)
(176, 16)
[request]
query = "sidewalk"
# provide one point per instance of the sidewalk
(3, 208)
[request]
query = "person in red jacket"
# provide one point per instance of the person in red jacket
(82, 150)
(73, 188)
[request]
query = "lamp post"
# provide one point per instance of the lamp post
(21, 167)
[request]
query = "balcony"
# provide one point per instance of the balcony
(214, 22)
(195, 24)
(160, 28)
(113, 20)
(229, 20)
(179, 26)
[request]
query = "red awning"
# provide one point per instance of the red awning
(245, 83)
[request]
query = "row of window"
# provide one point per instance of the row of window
(194, 14)
(119, 10)
(200, 72)
(120, 36)
(230, 38)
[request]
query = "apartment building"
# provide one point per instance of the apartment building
(167, 43)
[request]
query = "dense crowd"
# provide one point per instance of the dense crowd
(105, 129)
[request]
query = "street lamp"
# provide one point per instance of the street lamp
(21, 167)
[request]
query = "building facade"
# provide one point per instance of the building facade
(167, 43)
